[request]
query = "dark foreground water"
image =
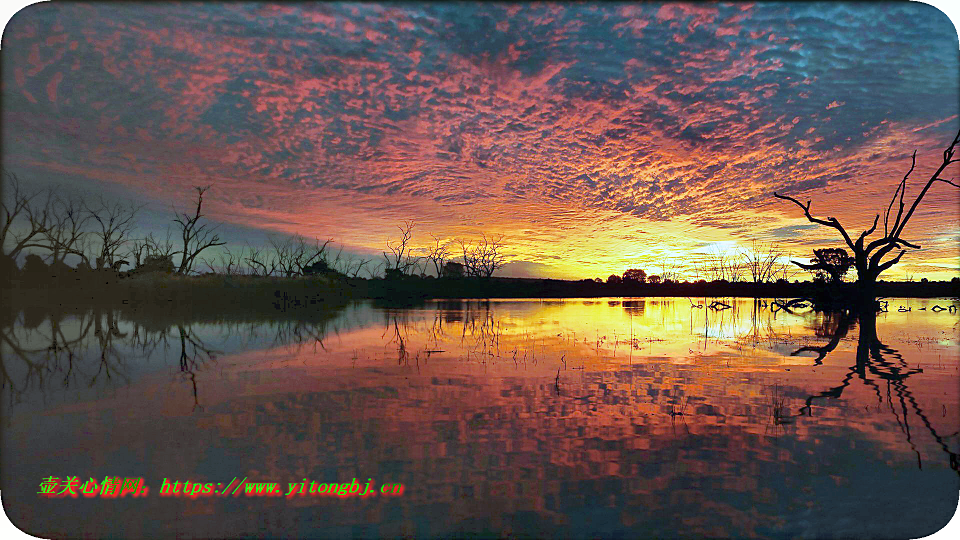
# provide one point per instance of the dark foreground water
(573, 418)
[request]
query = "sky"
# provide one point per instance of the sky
(593, 137)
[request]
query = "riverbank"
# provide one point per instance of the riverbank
(219, 295)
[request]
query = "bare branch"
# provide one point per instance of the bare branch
(829, 222)
(195, 237)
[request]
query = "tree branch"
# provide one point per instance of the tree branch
(829, 222)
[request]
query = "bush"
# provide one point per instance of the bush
(8, 268)
(34, 265)
(34, 269)
(156, 263)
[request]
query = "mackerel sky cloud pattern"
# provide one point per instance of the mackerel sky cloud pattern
(594, 137)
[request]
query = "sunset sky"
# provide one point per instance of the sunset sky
(595, 138)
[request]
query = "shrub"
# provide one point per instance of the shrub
(156, 263)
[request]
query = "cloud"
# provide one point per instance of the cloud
(573, 121)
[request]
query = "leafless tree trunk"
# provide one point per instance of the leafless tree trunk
(114, 223)
(437, 254)
(227, 263)
(195, 236)
(483, 259)
(761, 261)
(869, 257)
(350, 266)
(668, 270)
(151, 246)
(398, 259)
(65, 233)
(282, 255)
(718, 264)
(257, 262)
(20, 207)
(293, 255)
(375, 270)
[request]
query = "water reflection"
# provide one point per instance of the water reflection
(613, 417)
(875, 360)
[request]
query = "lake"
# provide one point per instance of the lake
(610, 417)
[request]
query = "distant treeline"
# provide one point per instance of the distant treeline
(216, 293)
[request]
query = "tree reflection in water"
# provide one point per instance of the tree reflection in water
(93, 349)
(89, 348)
(875, 362)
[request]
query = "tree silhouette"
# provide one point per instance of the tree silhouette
(195, 236)
(761, 261)
(634, 275)
(398, 260)
(114, 225)
(834, 262)
(292, 256)
(65, 233)
(869, 256)
(17, 205)
(484, 258)
(877, 363)
(438, 254)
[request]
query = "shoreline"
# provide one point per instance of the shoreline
(217, 292)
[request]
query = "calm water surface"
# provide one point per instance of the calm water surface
(574, 418)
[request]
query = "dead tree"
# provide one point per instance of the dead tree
(114, 223)
(724, 265)
(398, 261)
(259, 264)
(437, 254)
(151, 246)
(21, 207)
(227, 263)
(669, 270)
(65, 233)
(195, 236)
(350, 266)
(760, 261)
(291, 256)
(310, 256)
(484, 258)
(868, 257)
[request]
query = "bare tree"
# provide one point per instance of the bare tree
(375, 270)
(869, 257)
(398, 260)
(483, 259)
(350, 266)
(195, 235)
(316, 256)
(114, 223)
(137, 251)
(783, 271)
(151, 246)
(292, 255)
(735, 271)
(228, 263)
(761, 261)
(438, 254)
(65, 232)
(669, 270)
(258, 264)
(21, 207)
(718, 262)
(282, 256)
